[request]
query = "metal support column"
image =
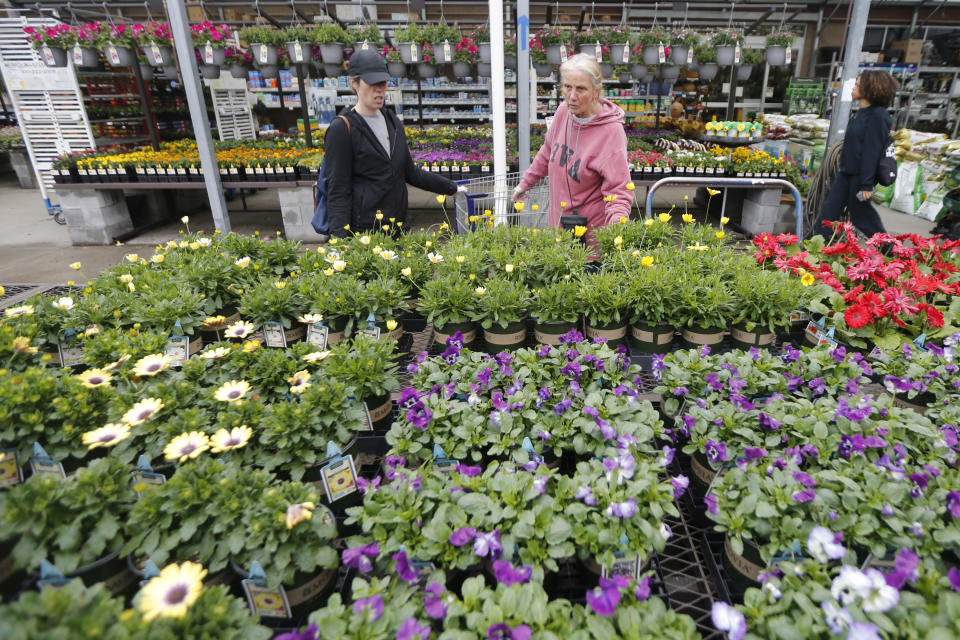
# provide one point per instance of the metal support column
(523, 84)
(145, 105)
(183, 42)
(304, 107)
(812, 70)
(851, 64)
(733, 92)
(497, 93)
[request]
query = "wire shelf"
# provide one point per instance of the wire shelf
(493, 194)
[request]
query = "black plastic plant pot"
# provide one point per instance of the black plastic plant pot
(498, 338)
(468, 329)
(743, 569)
(224, 577)
(381, 410)
(696, 336)
(745, 339)
(551, 332)
(112, 571)
(12, 580)
(615, 333)
(648, 338)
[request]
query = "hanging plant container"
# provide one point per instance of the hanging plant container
(269, 70)
(238, 71)
(615, 333)
(708, 70)
(746, 339)
(86, 57)
(776, 56)
(332, 70)
(397, 69)
(299, 53)
(625, 77)
(679, 53)
(620, 53)
(332, 52)
(543, 69)
(639, 72)
(696, 336)
(744, 71)
(725, 55)
(461, 69)
(592, 50)
(53, 56)
(210, 71)
(504, 339)
(264, 55)
(469, 331)
(157, 55)
(10, 579)
(119, 56)
(146, 72)
(651, 54)
(651, 338)
(555, 53)
(483, 69)
(483, 50)
(210, 54)
(409, 52)
(425, 70)
(443, 53)
(551, 332)
(670, 72)
(170, 71)
(606, 69)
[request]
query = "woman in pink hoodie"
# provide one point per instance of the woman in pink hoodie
(585, 151)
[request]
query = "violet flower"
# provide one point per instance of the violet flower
(713, 381)
(419, 416)
(585, 493)
(310, 633)
(642, 592)
(681, 391)
(904, 569)
(954, 577)
(804, 478)
(408, 398)
(561, 407)
(805, 495)
(768, 422)
(680, 484)
(716, 451)
(503, 631)
(487, 545)
(728, 620)
(622, 510)
(372, 605)
(359, 557)
(711, 501)
(483, 377)
(544, 435)
(824, 545)
(953, 504)
(364, 485)
(507, 575)
(462, 536)
(605, 598)
(470, 472)
(754, 453)
(404, 567)
(411, 629)
(608, 432)
(433, 602)
(456, 339)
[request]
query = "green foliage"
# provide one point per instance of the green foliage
(262, 35)
(448, 299)
(603, 297)
(365, 364)
(556, 302)
(767, 298)
(503, 302)
(71, 612)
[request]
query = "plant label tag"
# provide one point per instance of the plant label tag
(788, 52)
(77, 55)
(423, 569)
(598, 52)
(155, 56)
(71, 354)
(625, 563)
(445, 465)
(177, 349)
(563, 53)
(446, 52)
(144, 481)
(318, 334)
(799, 315)
(48, 57)
(367, 420)
(339, 478)
(297, 52)
(274, 336)
(413, 52)
(47, 467)
(10, 473)
(689, 55)
(736, 55)
(364, 46)
(485, 169)
(373, 332)
(208, 54)
(264, 601)
(661, 54)
(262, 54)
(626, 53)
(113, 55)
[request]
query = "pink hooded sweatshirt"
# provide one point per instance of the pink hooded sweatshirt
(585, 163)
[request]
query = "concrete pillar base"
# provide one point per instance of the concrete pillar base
(94, 216)
(296, 207)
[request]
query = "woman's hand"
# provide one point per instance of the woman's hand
(518, 194)
(865, 195)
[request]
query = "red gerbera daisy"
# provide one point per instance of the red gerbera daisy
(857, 316)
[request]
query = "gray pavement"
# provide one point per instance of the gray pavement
(34, 249)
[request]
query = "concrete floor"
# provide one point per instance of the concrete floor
(34, 249)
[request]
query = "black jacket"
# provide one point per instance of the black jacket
(865, 142)
(362, 179)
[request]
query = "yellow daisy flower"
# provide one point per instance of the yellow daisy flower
(299, 382)
(186, 446)
(239, 329)
(316, 356)
(214, 354)
(224, 440)
(106, 436)
(172, 592)
(232, 391)
(142, 411)
(92, 378)
(151, 365)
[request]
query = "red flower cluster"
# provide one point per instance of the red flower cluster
(895, 277)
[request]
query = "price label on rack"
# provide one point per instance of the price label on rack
(114, 56)
(446, 52)
(598, 52)
(297, 52)
(263, 54)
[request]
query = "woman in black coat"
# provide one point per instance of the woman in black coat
(367, 163)
(866, 141)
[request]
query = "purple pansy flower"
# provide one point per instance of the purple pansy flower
(728, 620)
(483, 377)
(404, 567)
(544, 435)
(754, 453)
(605, 598)
(310, 633)
(622, 510)
(544, 351)
(507, 574)
(408, 398)
(953, 504)
(419, 416)
(716, 451)
(713, 381)
(680, 484)
(954, 577)
(359, 557)
(462, 536)
(372, 605)
(503, 631)
(642, 592)
(585, 493)
(666, 456)
(411, 629)
(681, 391)
(904, 569)
(364, 485)
(806, 495)
(804, 478)
(711, 501)
(571, 337)
(561, 407)
(768, 422)
(433, 601)
(466, 470)
(608, 432)
(487, 544)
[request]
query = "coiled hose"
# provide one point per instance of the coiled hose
(820, 186)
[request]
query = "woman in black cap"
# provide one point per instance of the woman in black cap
(368, 164)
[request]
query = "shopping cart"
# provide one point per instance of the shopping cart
(492, 193)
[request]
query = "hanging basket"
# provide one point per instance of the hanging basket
(53, 56)
(426, 70)
(157, 56)
(238, 71)
(86, 57)
(332, 53)
(298, 52)
(776, 56)
(543, 69)
(397, 69)
(410, 52)
(461, 69)
(670, 72)
(592, 50)
(170, 71)
(443, 53)
(708, 70)
(146, 72)
(483, 48)
(744, 71)
(555, 53)
(483, 69)
(264, 55)
(119, 56)
(269, 70)
(620, 53)
(639, 72)
(210, 71)
(679, 54)
(625, 77)
(606, 69)
(332, 70)
(651, 54)
(211, 55)
(725, 55)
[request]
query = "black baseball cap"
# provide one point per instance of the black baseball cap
(367, 65)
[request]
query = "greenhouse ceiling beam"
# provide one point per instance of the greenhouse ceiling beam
(757, 23)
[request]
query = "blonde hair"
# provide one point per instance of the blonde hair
(584, 63)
